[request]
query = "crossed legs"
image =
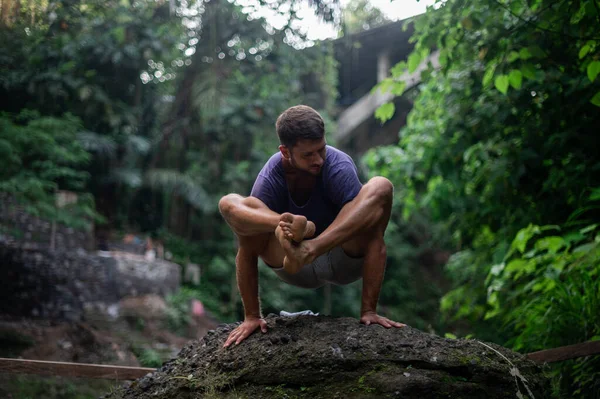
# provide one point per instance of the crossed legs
(281, 240)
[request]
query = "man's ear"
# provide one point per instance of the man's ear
(285, 151)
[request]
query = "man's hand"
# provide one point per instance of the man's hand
(373, 318)
(244, 330)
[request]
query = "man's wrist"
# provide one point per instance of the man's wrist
(252, 316)
(367, 310)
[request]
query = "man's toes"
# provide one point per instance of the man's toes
(287, 217)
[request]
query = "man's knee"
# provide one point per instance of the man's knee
(381, 188)
(228, 203)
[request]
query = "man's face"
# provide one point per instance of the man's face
(307, 155)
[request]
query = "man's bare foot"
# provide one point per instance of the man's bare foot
(296, 254)
(295, 227)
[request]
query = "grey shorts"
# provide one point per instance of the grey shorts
(334, 267)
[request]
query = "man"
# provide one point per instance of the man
(310, 220)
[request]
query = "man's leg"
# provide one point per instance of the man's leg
(359, 229)
(370, 208)
(255, 226)
(248, 216)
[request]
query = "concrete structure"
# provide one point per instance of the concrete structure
(364, 60)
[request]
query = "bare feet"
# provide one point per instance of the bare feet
(291, 231)
(295, 227)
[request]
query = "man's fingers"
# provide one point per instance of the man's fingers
(242, 337)
(382, 321)
(229, 340)
(385, 323)
(233, 336)
(263, 326)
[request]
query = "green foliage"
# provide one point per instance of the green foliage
(503, 135)
(546, 294)
(179, 311)
(34, 387)
(361, 15)
(171, 124)
(38, 157)
(149, 358)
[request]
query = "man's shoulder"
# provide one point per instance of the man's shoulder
(336, 156)
(273, 165)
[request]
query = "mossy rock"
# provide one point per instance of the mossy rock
(325, 357)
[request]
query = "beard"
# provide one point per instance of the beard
(310, 170)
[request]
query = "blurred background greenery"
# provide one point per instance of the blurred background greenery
(151, 111)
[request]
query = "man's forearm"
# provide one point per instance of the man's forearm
(373, 273)
(247, 279)
(372, 281)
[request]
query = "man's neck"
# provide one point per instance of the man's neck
(300, 183)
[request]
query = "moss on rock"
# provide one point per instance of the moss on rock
(324, 357)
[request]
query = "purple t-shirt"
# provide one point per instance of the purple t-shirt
(337, 184)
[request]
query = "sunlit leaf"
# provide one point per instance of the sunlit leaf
(552, 244)
(515, 265)
(449, 335)
(414, 59)
(398, 88)
(525, 54)
(385, 112)
(513, 56)
(383, 87)
(523, 236)
(596, 99)
(593, 70)
(589, 228)
(501, 83)
(399, 69)
(584, 50)
(515, 78)
(489, 74)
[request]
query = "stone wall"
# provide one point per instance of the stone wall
(61, 284)
(17, 225)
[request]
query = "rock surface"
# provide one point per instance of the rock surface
(325, 357)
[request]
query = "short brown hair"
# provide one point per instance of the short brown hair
(299, 122)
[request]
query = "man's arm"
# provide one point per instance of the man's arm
(247, 279)
(373, 273)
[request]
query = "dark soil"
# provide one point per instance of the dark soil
(325, 357)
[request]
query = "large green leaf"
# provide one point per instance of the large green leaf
(593, 70)
(584, 50)
(489, 74)
(552, 244)
(385, 112)
(515, 77)
(525, 54)
(501, 83)
(414, 59)
(596, 99)
(528, 70)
